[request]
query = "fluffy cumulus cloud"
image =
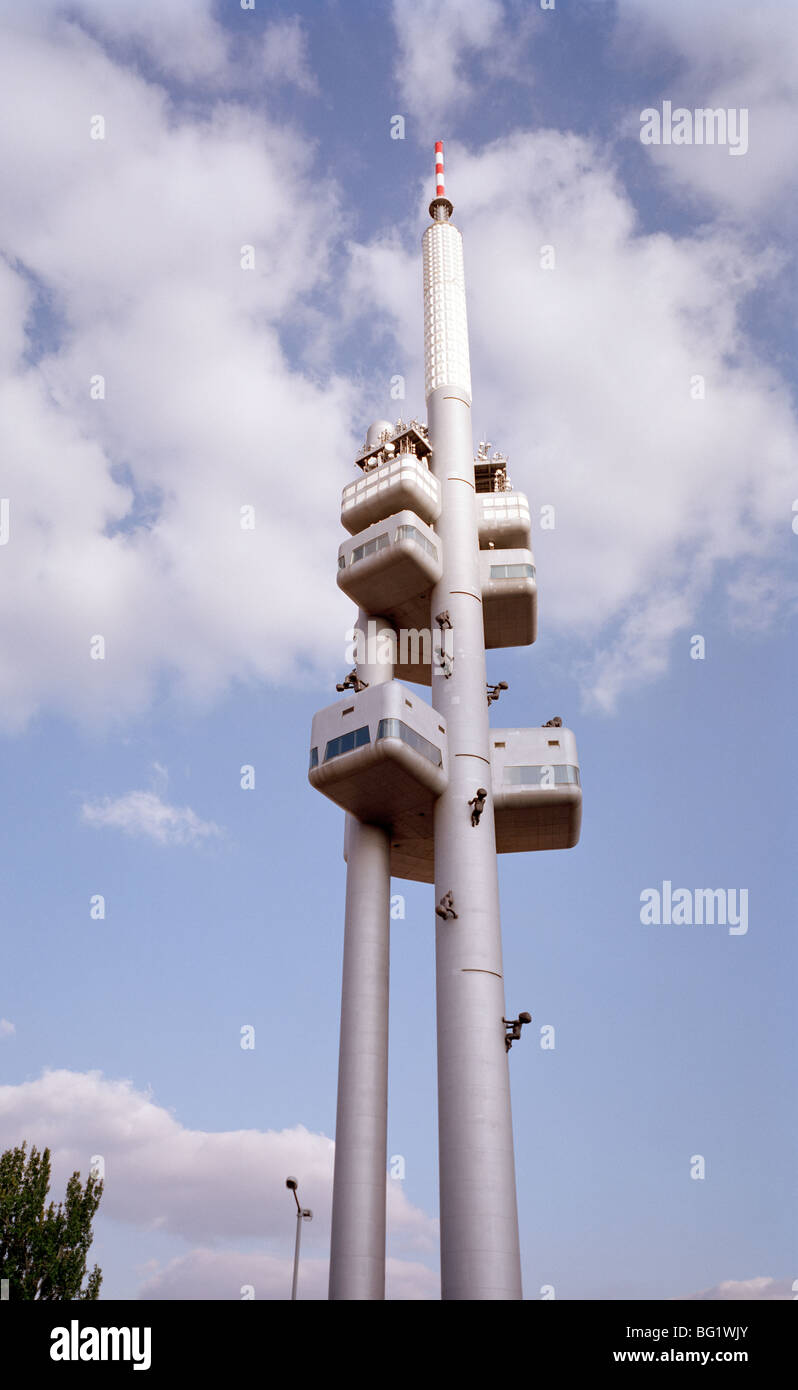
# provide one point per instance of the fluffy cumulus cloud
(167, 415)
(738, 1289)
(441, 47)
(624, 388)
(285, 54)
(729, 56)
(122, 260)
(210, 1189)
(234, 1274)
(143, 813)
(182, 40)
(7, 1028)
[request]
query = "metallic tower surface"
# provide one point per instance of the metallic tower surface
(357, 1247)
(480, 1256)
(439, 551)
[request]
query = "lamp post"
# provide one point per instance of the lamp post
(302, 1214)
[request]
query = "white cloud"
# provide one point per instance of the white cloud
(7, 1029)
(125, 512)
(583, 375)
(758, 600)
(213, 1274)
(222, 1274)
(208, 1188)
(144, 813)
(285, 54)
(641, 650)
(182, 40)
(435, 40)
(732, 56)
(734, 1289)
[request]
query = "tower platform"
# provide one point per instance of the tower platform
(383, 756)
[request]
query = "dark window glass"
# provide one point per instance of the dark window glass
(369, 547)
(345, 743)
(394, 728)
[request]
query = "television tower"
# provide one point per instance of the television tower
(439, 562)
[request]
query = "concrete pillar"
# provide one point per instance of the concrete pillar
(357, 1250)
(480, 1256)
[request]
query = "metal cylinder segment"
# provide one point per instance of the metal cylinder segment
(480, 1257)
(357, 1251)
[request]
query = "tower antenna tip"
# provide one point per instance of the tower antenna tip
(440, 209)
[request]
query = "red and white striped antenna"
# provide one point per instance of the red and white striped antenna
(440, 209)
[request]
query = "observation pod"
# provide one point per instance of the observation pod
(403, 483)
(382, 755)
(537, 791)
(389, 569)
(503, 519)
(537, 801)
(509, 597)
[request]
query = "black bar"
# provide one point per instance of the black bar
(217, 1339)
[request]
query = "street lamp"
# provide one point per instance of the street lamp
(302, 1214)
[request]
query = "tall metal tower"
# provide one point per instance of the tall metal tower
(439, 562)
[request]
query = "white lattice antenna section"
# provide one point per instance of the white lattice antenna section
(446, 359)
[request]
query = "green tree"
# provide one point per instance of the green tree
(43, 1252)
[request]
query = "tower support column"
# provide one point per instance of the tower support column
(480, 1258)
(357, 1249)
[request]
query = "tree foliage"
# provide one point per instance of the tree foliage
(43, 1251)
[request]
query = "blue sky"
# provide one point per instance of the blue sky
(224, 387)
